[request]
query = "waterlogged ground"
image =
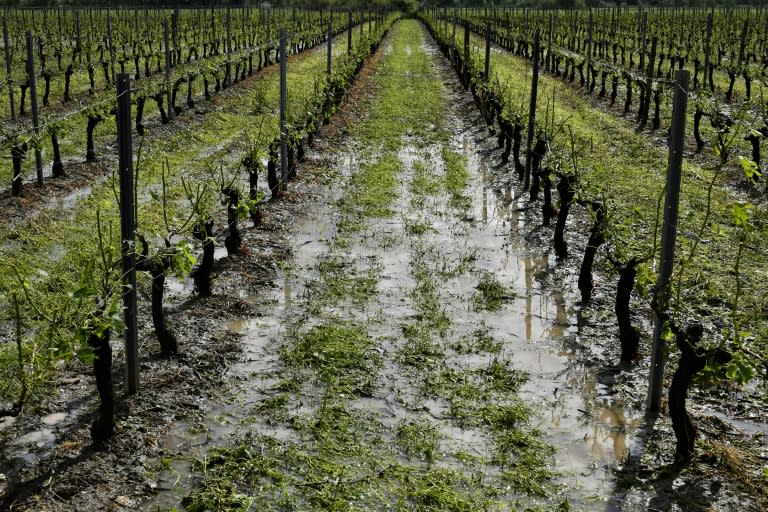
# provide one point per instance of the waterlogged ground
(413, 346)
(419, 352)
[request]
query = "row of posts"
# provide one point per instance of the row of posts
(671, 202)
(669, 229)
(127, 218)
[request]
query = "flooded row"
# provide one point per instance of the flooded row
(431, 246)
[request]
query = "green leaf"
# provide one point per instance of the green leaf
(739, 370)
(183, 260)
(86, 355)
(741, 212)
(751, 170)
(84, 292)
(644, 280)
(666, 332)
(242, 210)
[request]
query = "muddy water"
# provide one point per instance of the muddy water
(254, 376)
(592, 432)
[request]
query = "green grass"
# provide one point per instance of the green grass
(373, 188)
(340, 280)
(408, 100)
(478, 341)
(340, 353)
(424, 181)
(421, 349)
(348, 451)
(418, 439)
(456, 178)
(492, 295)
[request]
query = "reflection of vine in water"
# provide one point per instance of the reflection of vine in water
(613, 425)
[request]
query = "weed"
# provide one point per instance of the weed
(443, 489)
(420, 349)
(479, 341)
(272, 405)
(424, 181)
(292, 385)
(418, 439)
(374, 186)
(492, 293)
(464, 264)
(218, 494)
(417, 228)
(338, 281)
(340, 352)
(502, 378)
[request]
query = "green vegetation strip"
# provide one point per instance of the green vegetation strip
(344, 455)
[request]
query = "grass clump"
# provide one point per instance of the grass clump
(340, 352)
(426, 294)
(370, 194)
(339, 430)
(444, 489)
(500, 377)
(456, 178)
(340, 280)
(522, 455)
(424, 181)
(480, 340)
(504, 417)
(218, 494)
(375, 186)
(492, 294)
(418, 439)
(273, 406)
(417, 228)
(420, 349)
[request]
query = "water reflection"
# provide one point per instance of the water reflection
(287, 295)
(528, 297)
(591, 430)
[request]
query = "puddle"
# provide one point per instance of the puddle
(66, 204)
(55, 418)
(175, 286)
(7, 422)
(590, 443)
(38, 439)
(742, 424)
(220, 252)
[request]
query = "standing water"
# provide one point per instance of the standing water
(472, 342)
